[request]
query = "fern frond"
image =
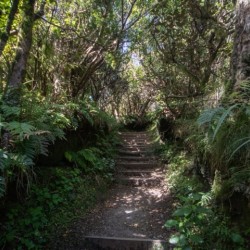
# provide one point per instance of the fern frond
(9, 110)
(76, 158)
(34, 146)
(88, 155)
(239, 176)
(59, 133)
(206, 199)
(208, 115)
(247, 110)
(87, 116)
(20, 129)
(222, 119)
(21, 161)
(243, 142)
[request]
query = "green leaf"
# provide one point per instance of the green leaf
(237, 238)
(183, 211)
(195, 196)
(222, 119)
(179, 240)
(20, 129)
(196, 239)
(245, 141)
(68, 156)
(8, 110)
(171, 223)
(207, 115)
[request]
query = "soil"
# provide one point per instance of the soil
(125, 211)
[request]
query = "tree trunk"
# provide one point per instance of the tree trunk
(17, 74)
(241, 52)
(5, 35)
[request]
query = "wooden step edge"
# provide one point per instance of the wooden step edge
(135, 151)
(131, 173)
(116, 243)
(128, 147)
(140, 163)
(136, 171)
(136, 159)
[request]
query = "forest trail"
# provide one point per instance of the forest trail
(135, 209)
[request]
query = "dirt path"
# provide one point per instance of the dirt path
(136, 207)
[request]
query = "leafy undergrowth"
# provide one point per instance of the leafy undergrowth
(62, 196)
(197, 221)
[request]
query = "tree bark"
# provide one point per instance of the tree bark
(18, 69)
(241, 53)
(5, 35)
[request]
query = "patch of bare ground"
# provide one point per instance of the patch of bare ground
(133, 209)
(128, 212)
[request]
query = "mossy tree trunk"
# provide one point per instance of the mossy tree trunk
(241, 52)
(4, 36)
(18, 69)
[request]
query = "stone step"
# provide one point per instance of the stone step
(135, 152)
(113, 243)
(140, 145)
(137, 165)
(136, 172)
(136, 158)
(136, 148)
(132, 139)
(137, 143)
(138, 138)
(134, 134)
(139, 181)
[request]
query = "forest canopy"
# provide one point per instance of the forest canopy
(90, 66)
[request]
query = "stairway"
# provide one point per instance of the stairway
(136, 163)
(137, 206)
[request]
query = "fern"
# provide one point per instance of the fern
(76, 158)
(21, 161)
(216, 115)
(34, 146)
(223, 118)
(87, 116)
(243, 142)
(208, 115)
(88, 155)
(247, 110)
(91, 161)
(20, 129)
(10, 111)
(206, 199)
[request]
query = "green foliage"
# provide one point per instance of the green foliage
(197, 222)
(228, 143)
(27, 133)
(216, 116)
(52, 204)
(92, 161)
(99, 159)
(198, 226)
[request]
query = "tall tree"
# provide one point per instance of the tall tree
(18, 69)
(241, 52)
(4, 36)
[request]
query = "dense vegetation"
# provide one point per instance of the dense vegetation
(73, 72)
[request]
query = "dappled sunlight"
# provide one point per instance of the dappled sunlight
(139, 203)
